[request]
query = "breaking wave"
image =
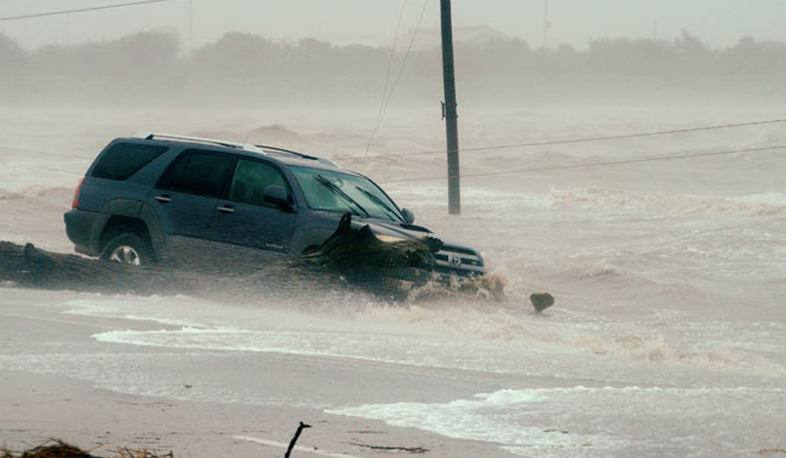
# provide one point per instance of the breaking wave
(443, 332)
(763, 204)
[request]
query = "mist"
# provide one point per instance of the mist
(242, 69)
(630, 164)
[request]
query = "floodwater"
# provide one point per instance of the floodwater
(668, 336)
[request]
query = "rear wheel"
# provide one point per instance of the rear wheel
(128, 248)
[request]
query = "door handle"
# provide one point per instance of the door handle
(164, 199)
(225, 209)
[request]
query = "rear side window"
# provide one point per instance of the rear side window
(122, 160)
(199, 173)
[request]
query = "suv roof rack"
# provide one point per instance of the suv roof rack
(261, 149)
(288, 151)
(208, 141)
(275, 149)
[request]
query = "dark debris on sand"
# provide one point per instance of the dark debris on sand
(56, 448)
(352, 258)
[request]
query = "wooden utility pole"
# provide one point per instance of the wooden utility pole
(450, 111)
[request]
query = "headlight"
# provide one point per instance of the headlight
(391, 238)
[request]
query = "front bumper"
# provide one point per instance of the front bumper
(458, 262)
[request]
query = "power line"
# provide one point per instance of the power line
(406, 56)
(504, 172)
(82, 10)
(598, 164)
(387, 76)
(575, 140)
(398, 77)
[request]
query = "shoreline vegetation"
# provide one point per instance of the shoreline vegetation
(151, 68)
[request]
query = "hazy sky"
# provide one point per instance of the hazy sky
(717, 22)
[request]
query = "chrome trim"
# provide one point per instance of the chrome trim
(463, 256)
(464, 267)
(209, 141)
(456, 261)
(125, 254)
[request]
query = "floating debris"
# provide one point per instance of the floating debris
(541, 301)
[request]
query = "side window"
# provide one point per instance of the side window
(122, 160)
(250, 180)
(197, 172)
(173, 175)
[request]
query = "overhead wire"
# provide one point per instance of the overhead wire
(387, 76)
(546, 143)
(574, 140)
(386, 101)
(82, 10)
(597, 164)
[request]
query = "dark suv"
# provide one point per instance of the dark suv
(161, 197)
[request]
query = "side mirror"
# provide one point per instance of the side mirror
(409, 217)
(277, 195)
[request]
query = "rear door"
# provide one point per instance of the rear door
(243, 218)
(187, 195)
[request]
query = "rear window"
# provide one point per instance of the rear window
(199, 173)
(122, 160)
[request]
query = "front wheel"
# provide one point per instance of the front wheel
(128, 248)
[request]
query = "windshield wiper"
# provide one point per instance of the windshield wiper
(338, 191)
(374, 198)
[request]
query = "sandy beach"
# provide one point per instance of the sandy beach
(91, 410)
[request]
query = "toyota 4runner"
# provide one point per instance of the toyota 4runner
(160, 197)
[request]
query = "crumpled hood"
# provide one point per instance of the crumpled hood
(410, 231)
(395, 229)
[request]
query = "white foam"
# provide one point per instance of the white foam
(118, 307)
(489, 417)
(775, 199)
(565, 352)
(582, 421)
(496, 340)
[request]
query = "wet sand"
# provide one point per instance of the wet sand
(42, 405)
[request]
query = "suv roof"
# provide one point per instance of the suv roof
(283, 155)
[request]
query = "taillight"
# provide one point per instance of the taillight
(75, 201)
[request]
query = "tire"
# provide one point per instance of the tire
(128, 248)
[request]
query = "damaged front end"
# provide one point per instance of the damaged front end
(373, 259)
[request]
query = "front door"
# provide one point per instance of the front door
(245, 219)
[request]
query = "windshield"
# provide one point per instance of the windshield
(341, 192)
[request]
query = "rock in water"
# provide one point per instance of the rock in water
(541, 301)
